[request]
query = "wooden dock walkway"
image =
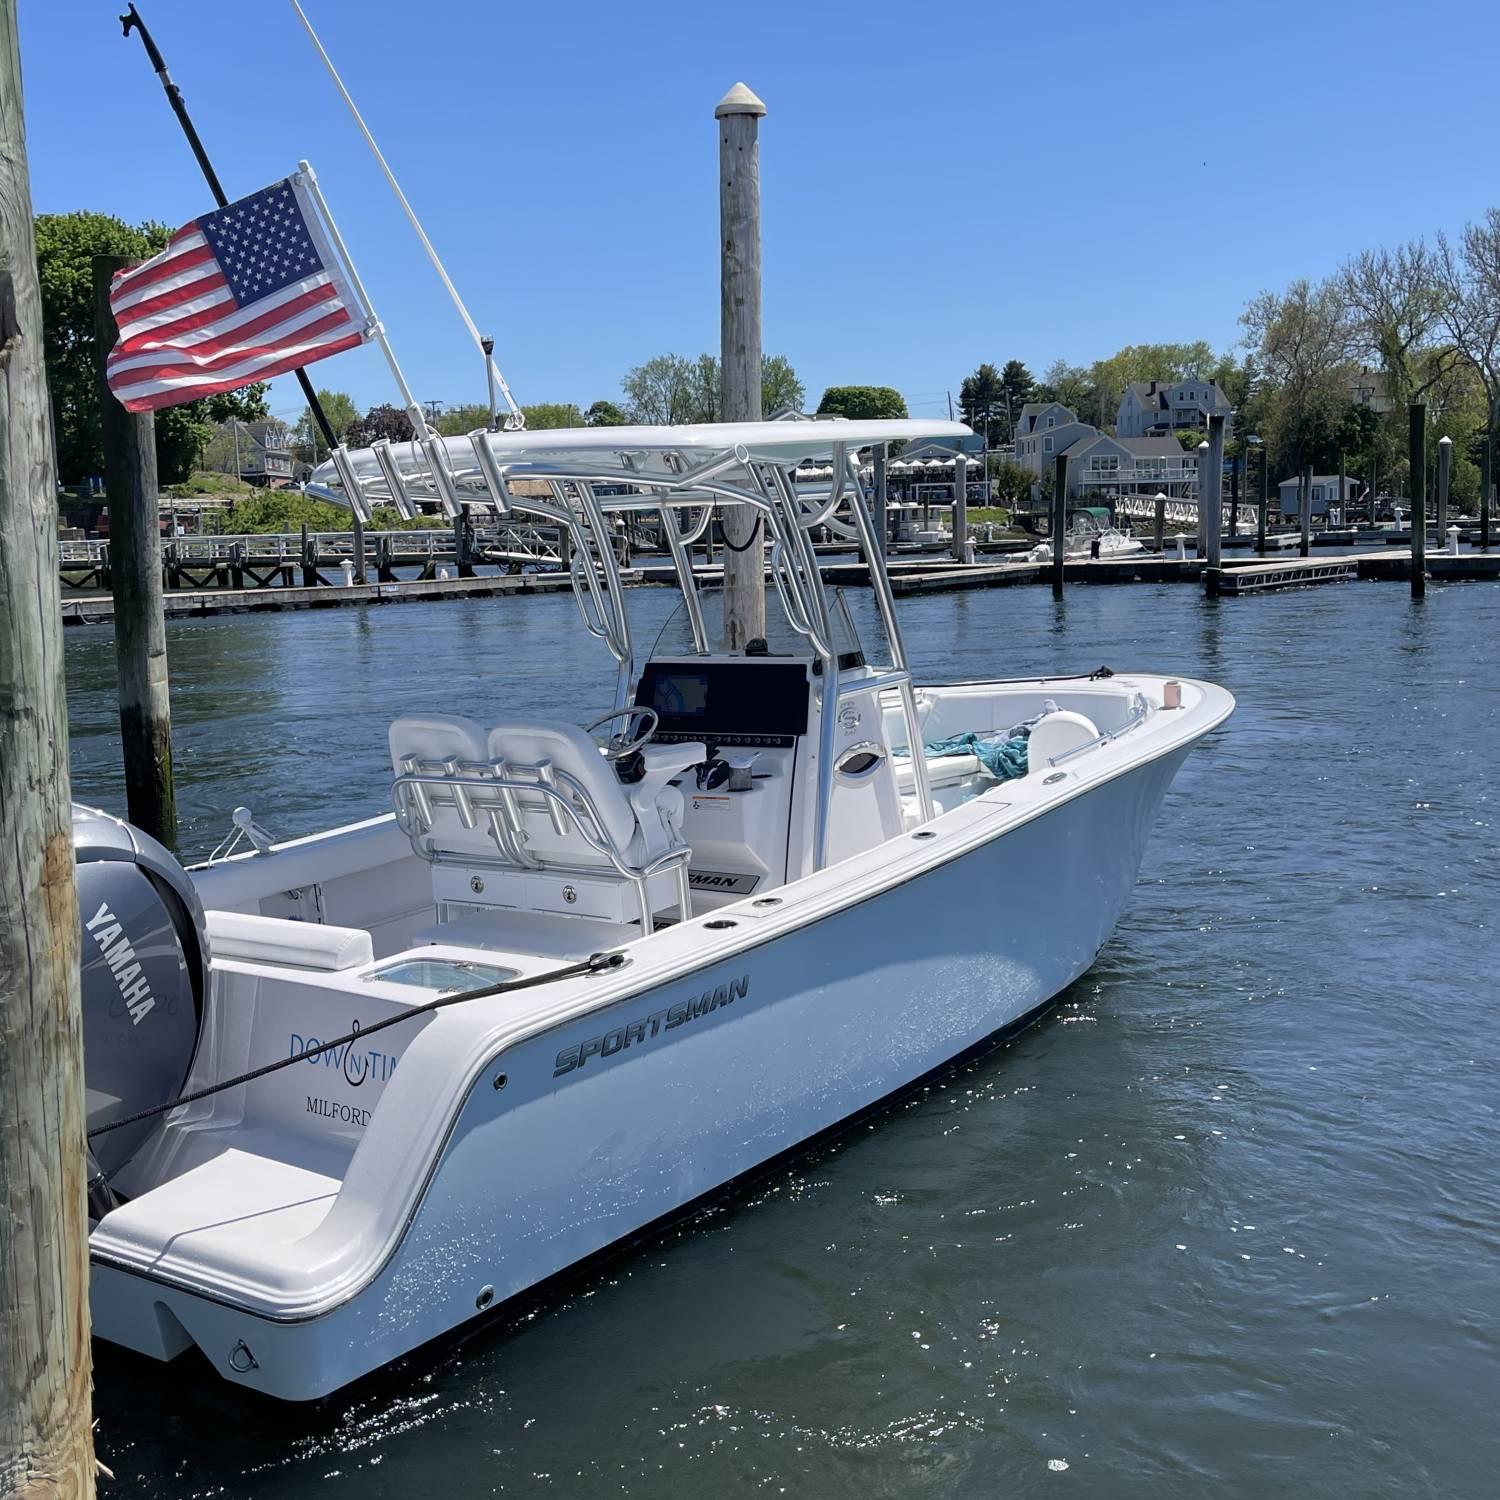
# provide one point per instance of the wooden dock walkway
(99, 609)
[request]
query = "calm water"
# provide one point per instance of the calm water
(1227, 1224)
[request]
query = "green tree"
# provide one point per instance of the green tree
(1011, 481)
(862, 403)
(981, 401)
(604, 414)
(66, 245)
(308, 440)
(457, 421)
(1017, 385)
(780, 390)
(547, 414)
(379, 422)
(672, 389)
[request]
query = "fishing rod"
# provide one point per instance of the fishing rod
(132, 22)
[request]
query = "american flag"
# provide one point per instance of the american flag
(246, 292)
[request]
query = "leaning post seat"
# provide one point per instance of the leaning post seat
(530, 815)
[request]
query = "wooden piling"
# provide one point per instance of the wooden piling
(1059, 522)
(1417, 450)
(1304, 510)
(1211, 495)
(1234, 492)
(360, 575)
(46, 1441)
(1264, 503)
(879, 486)
(129, 441)
(1444, 476)
(1159, 521)
(1486, 481)
(739, 114)
(960, 507)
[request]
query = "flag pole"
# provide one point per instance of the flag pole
(132, 21)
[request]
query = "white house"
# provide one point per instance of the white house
(1045, 429)
(1104, 466)
(1156, 408)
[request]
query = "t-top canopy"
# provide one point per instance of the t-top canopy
(454, 469)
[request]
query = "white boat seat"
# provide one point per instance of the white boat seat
(1056, 733)
(942, 770)
(530, 815)
(278, 940)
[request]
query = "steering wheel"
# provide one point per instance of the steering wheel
(622, 744)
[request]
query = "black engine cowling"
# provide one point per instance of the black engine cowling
(145, 976)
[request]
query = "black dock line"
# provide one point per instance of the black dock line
(595, 963)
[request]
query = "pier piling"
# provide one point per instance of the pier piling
(1211, 496)
(1417, 447)
(1444, 478)
(1059, 522)
(878, 486)
(46, 1439)
(1264, 503)
(1486, 480)
(136, 567)
(1159, 522)
(1304, 511)
(738, 115)
(960, 508)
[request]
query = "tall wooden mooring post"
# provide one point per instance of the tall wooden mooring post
(46, 1440)
(130, 483)
(1417, 455)
(739, 114)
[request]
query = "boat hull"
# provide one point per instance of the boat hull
(581, 1136)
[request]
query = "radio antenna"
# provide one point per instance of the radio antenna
(515, 420)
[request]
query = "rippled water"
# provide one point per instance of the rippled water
(1228, 1223)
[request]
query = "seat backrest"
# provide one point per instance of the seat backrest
(429, 742)
(521, 744)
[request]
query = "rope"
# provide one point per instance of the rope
(595, 963)
(724, 535)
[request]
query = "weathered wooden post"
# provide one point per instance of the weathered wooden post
(46, 1441)
(1304, 509)
(1159, 521)
(878, 458)
(1201, 453)
(309, 560)
(359, 551)
(1263, 505)
(129, 440)
(1417, 452)
(1486, 479)
(1059, 522)
(1234, 492)
(1444, 475)
(1211, 492)
(739, 113)
(1343, 492)
(960, 507)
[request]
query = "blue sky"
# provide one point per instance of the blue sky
(940, 187)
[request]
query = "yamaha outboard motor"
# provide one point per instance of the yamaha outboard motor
(145, 977)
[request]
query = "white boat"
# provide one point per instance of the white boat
(798, 917)
(1087, 538)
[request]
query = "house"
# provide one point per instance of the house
(1325, 492)
(265, 452)
(1045, 429)
(1104, 466)
(1368, 388)
(1154, 408)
